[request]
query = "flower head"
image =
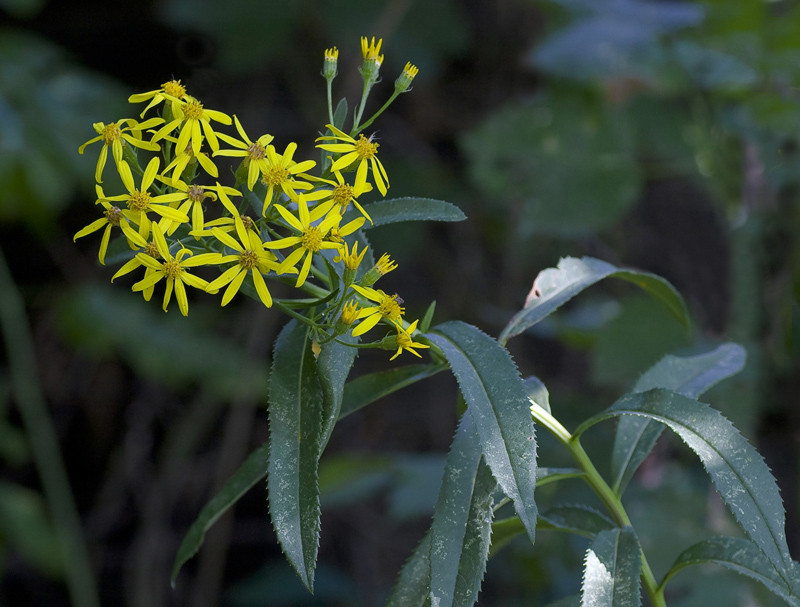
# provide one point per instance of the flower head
(329, 66)
(404, 341)
(352, 259)
(188, 156)
(140, 201)
(195, 121)
(382, 267)
(403, 82)
(372, 60)
(359, 152)
(253, 153)
(191, 203)
(174, 269)
(112, 217)
(116, 134)
(172, 91)
(389, 307)
(280, 173)
(310, 238)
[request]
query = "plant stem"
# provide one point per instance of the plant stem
(358, 129)
(601, 488)
(330, 101)
(44, 442)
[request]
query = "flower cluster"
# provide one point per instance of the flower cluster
(179, 222)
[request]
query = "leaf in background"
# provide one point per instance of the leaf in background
(741, 556)
(555, 286)
(26, 527)
(573, 600)
(249, 473)
(498, 401)
(612, 38)
(366, 389)
(713, 69)
(462, 522)
(611, 570)
(168, 349)
(687, 375)
(413, 583)
(333, 367)
(738, 471)
(394, 210)
(568, 158)
(296, 425)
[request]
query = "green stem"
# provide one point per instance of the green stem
(603, 491)
(364, 95)
(44, 442)
(358, 129)
(330, 101)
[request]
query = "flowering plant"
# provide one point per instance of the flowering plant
(293, 224)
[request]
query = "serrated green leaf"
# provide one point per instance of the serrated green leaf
(462, 521)
(366, 389)
(611, 570)
(687, 375)
(395, 210)
(414, 582)
(555, 286)
(249, 473)
(738, 471)
(741, 556)
(296, 425)
(333, 367)
(498, 402)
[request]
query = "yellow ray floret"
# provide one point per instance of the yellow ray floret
(363, 152)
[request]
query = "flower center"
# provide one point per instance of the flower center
(111, 133)
(113, 215)
(195, 193)
(342, 194)
(172, 269)
(152, 250)
(193, 109)
(256, 151)
(248, 259)
(174, 88)
(139, 201)
(335, 235)
(365, 148)
(275, 176)
(403, 340)
(312, 238)
(390, 308)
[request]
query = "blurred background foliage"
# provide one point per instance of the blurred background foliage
(653, 134)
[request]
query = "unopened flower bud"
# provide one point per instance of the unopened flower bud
(372, 60)
(403, 82)
(383, 266)
(329, 67)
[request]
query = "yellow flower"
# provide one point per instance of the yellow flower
(343, 194)
(113, 216)
(349, 312)
(351, 259)
(116, 134)
(173, 91)
(196, 121)
(388, 307)
(186, 156)
(174, 269)
(382, 267)
(151, 249)
(311, 238)
(330, 62)
(140, 201)
(254, 153)
(192, 200)
(371, 51)
(249, 256)
(281, 172)
(403, 82)
(361, 151)
(405, 341)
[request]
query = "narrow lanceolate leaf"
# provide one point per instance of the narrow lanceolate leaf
(737, 470)
(333, 367)
(611, 570)
(555, 286)
(462, 522)
(537, 392)
(366, 389)
(249, 473)
(408, 209)
(498, 401)
(577, 519)
(296, 425)
(414, 582)
(739, 555)
(687, 375)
